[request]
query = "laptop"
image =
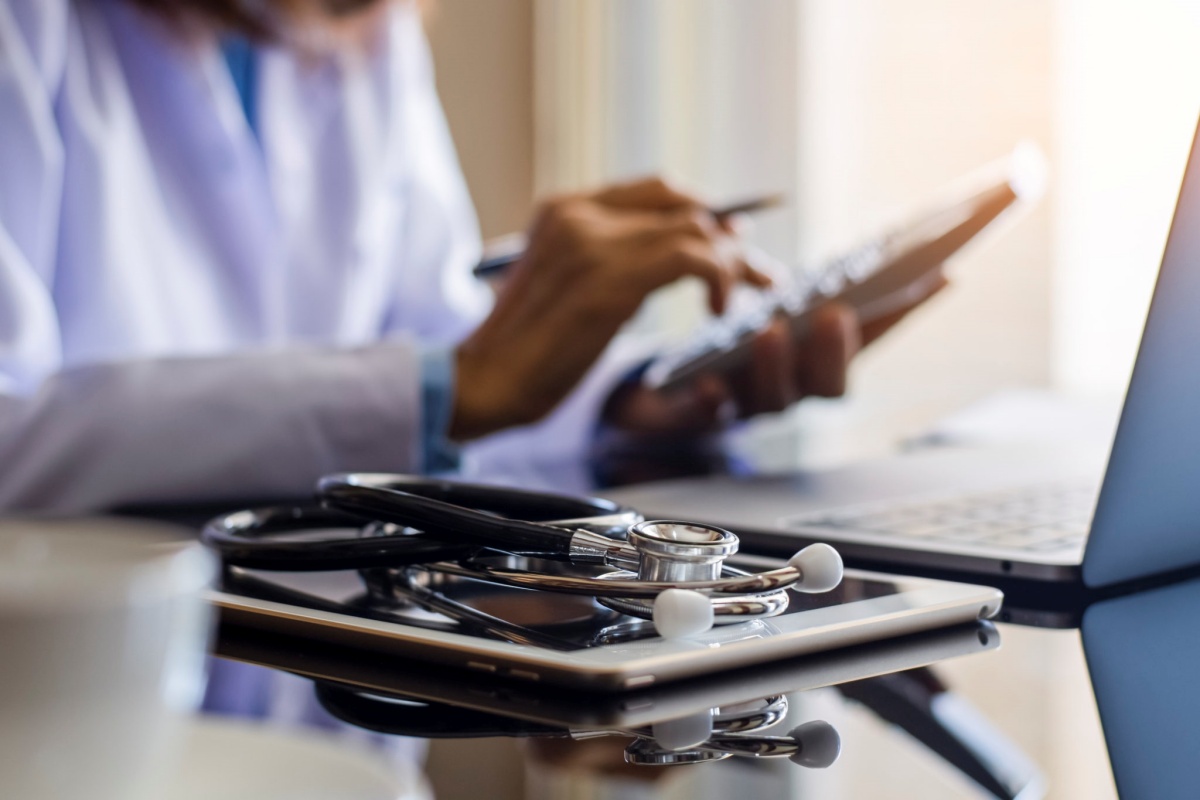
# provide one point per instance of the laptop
(1051, 515)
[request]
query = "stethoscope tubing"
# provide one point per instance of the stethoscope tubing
(446, 521)
(487, 516)
(252, 538)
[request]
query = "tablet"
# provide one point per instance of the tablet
(575, 709)
(885, 275)
(572, 641)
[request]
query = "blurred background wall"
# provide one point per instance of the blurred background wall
(859, 109)
(483, 53)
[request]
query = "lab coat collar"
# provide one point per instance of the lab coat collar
(241, 182)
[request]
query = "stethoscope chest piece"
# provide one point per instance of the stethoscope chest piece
(680, 551)
(686, 560)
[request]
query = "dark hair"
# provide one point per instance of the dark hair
(244, 18)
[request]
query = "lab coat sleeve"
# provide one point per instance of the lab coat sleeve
(254, 425)
(260, 423)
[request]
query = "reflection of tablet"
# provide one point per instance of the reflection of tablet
(575, 709)
(581, 644)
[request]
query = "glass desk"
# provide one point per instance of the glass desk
(986, 711)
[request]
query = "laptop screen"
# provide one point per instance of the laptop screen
(1147, 520)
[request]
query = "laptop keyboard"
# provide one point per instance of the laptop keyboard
(1040, 518)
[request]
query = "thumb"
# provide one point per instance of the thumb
(699, 407)
(706, 404)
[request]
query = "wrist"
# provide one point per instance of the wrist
(481, 401)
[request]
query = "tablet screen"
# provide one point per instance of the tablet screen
(562, 622)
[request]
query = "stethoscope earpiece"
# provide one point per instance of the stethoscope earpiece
(680, 613)
(820, 568)
(683, 733)
(819, 744)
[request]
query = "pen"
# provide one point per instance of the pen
(501, 253)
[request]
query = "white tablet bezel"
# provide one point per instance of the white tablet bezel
(919, 605)
(575, 709)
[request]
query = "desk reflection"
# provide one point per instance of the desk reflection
(1142, 651)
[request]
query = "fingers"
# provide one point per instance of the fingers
(779, 373)
(834, 339)
(644, 248)
(687, 217)
(735, 224)
(648, 193)
(754, 276)
(701, 407)
(924, 290)
(703, 261)
(770, 381)
(704, 407)
(693, 242)
(782, 371)
(692, 216)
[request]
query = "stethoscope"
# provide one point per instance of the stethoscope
(668, 571)
(712, 735)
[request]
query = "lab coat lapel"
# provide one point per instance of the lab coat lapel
(326, 159)
(194, 121)
(297, 95)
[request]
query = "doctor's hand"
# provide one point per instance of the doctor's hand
(779, 373)
(590, 262)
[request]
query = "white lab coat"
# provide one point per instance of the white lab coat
(188, 312)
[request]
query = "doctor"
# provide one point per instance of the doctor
(234, 255)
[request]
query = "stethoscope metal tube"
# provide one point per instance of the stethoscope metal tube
(625, 584)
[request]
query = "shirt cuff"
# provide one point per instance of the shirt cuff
(439, 453)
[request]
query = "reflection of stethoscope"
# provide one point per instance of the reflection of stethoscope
(716, 734)
(671, 572)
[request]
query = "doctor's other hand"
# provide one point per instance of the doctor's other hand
(780, 372)
(590, 262)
